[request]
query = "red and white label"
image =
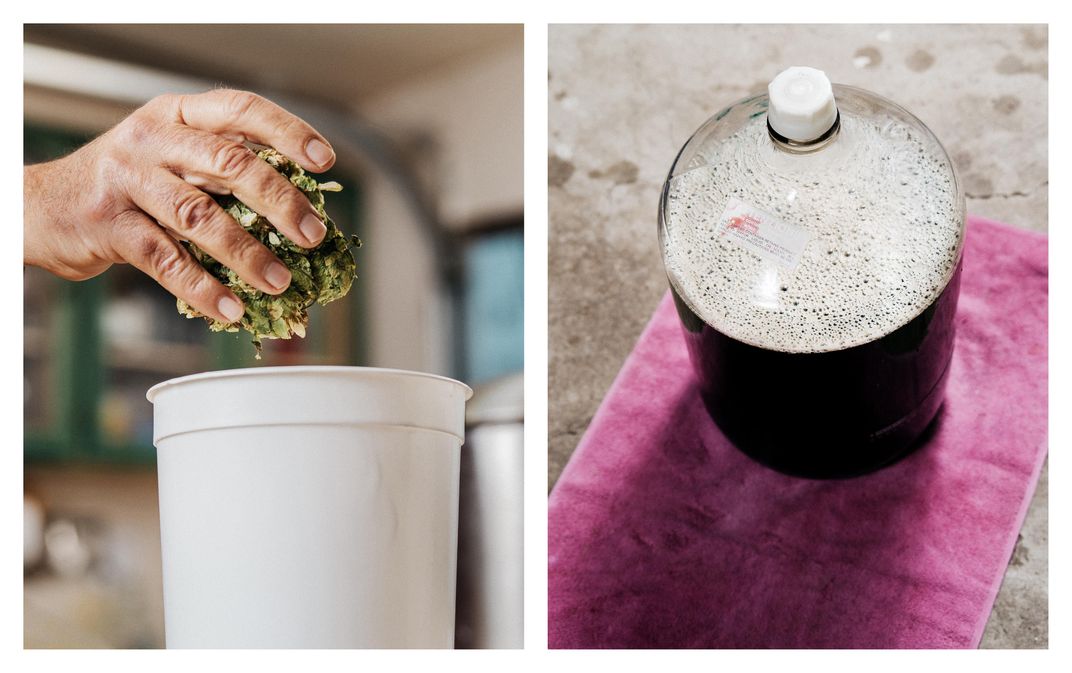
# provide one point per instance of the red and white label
(764, 234)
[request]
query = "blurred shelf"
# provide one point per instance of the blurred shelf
(156, 357)
(40, 450)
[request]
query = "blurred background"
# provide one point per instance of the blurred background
(426, 121)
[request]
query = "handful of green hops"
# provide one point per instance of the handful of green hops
(320, 275)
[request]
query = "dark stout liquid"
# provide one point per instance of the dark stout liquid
(827, 414)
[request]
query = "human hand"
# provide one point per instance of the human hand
(132, 193)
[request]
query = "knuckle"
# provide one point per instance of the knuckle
(167, 259)
(239, 103)
(291, 127)
(248, 253)
(231, 159)
(193, 210)
(284, 195)
(136, 129)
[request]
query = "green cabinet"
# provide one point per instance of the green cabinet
(83, 387)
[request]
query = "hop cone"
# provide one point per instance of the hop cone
(320, 275)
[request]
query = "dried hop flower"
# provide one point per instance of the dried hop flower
(320, 275)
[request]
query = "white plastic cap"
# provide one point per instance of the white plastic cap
(802, 104)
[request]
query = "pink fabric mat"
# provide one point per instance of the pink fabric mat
(661, 534)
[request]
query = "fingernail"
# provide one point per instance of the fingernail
(312, 228)
(319, 152)
(230, 308)
(277, 275)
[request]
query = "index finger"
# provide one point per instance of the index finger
(242, 115)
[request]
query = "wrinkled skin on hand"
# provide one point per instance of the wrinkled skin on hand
(133, 193)
(319, 275)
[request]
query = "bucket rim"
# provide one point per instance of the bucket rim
(299, 369)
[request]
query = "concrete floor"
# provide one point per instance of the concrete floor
(624, 99)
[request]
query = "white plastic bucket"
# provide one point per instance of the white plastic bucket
(309, 507)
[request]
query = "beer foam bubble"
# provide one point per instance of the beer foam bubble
(885, 221)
